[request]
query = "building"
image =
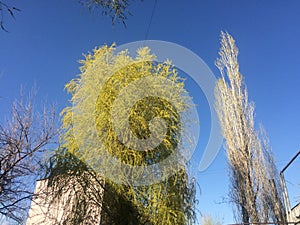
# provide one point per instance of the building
(294, 214)
(43, 213)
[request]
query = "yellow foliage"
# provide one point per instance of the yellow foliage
(104, 76)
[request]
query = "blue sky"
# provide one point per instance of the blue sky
(47, 39)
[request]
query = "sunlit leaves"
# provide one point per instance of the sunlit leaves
(95, 94)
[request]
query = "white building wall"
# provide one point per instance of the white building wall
(294, 214)
(41, 213)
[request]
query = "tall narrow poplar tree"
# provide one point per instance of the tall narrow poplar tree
(255, 186)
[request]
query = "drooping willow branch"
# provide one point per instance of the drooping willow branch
(6, 9)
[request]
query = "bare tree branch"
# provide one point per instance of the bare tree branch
(23, 139)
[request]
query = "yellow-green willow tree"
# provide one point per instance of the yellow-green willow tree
(167, 202)
(255, 186)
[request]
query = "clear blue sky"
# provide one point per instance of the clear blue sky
(47, 39)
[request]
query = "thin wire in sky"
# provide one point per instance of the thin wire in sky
(151, 18)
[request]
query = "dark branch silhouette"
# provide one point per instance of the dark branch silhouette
(23, 139)
(6, 9)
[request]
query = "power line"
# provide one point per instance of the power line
(151, 18)
(290, 162)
